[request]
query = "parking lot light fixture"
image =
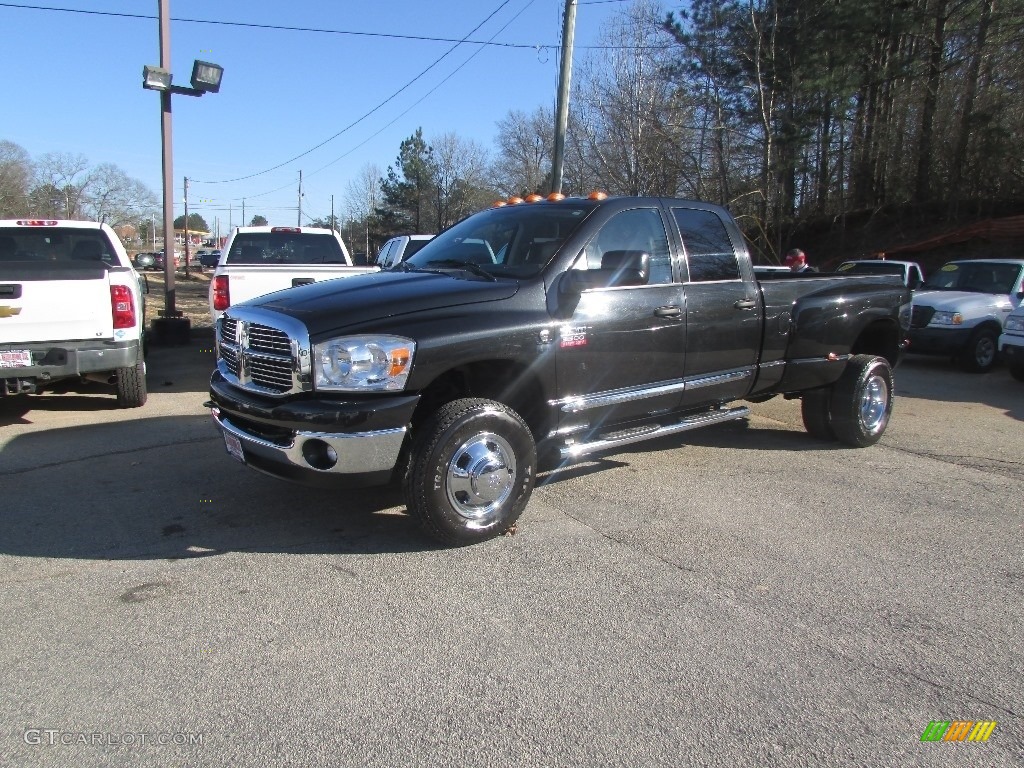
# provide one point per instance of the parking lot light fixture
(155, 78)
(206, 76)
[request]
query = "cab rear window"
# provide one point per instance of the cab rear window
(57, 247)
(285, 248)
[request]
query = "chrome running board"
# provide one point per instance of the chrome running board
(648, 432)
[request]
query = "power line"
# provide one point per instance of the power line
(419, 100)
(277, 27)
(367, 114)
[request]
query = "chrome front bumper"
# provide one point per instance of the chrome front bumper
(342, 454)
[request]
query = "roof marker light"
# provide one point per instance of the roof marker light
(595, 195)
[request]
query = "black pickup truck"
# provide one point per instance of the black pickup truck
(544, 329)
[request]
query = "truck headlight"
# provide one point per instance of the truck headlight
(947, 318)
(1014, 324)
(363, 363)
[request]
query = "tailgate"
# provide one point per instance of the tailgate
(54, 305)
(249, 282)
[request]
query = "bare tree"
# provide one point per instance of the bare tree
(523, 162)
(630, 115)
(461, 177)
(16, 171)
(115, 198)
(64, 175)
(362, 198)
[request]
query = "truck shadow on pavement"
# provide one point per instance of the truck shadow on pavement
(164, 488)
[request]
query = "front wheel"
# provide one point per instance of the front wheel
(471, 471)
(979, 356)
(861, 401)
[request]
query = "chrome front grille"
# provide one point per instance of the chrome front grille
(263, 352)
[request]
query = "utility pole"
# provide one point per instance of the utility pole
(186, 227)
(562, 108)
(332, 212)
(299, 223)
(243, 213)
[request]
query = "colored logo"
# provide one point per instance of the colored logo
(958, 730)
(6, 311)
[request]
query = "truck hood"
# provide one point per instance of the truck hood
(960, 301)
(330, 305)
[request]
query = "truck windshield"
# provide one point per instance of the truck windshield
(57, 247)
(978, 276)
(512, 241)
(285, 248)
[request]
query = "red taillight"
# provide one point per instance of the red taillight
(221, 294)
(122, 306)
(36, 223)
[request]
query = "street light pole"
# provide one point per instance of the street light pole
(172, 326)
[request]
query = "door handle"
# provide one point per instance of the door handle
(302, 281)
(670, 310)
(745, 304)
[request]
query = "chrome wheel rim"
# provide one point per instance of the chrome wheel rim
(874, 403)
(480, 477)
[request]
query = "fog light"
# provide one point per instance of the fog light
(319, 455)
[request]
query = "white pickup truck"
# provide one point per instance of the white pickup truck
(260, 260)
(960, 309)
(71, 306)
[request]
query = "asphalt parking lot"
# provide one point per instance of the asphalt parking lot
(738, 596)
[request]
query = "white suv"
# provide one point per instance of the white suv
(960, 309)
(1011, 343)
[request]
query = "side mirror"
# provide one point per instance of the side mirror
(618, 268)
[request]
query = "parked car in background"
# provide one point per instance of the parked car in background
(1011, 343)
(910, 271)
(960, 309)
(73, 307)
(398, 249)
(160, 260)
(208, 259)
(260, 260)
(145, 260)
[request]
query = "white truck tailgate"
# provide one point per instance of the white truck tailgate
(248, 282)
(55, 309)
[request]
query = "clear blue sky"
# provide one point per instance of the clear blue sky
(73, 84)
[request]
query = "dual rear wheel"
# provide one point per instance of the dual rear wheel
(856, 409)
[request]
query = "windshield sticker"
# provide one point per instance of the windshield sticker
(950, 268)
(573, 336)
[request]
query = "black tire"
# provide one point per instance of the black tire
(814, 407)
(131, 385)
(472, 467)
(979, 356)
(861, 402)
(1017, 371)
